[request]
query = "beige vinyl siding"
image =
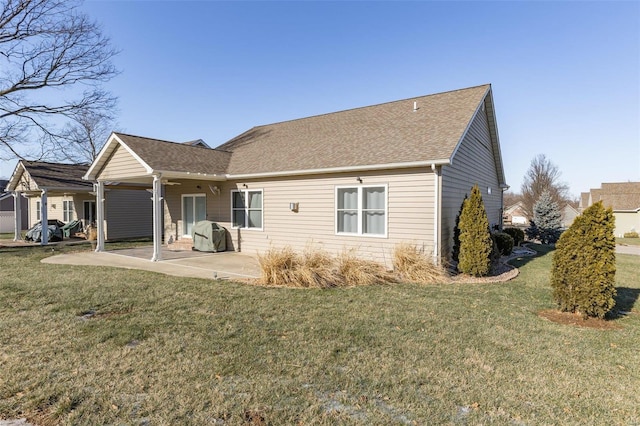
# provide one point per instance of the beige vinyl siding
(128, 214)
(626, 222)
(473, 163)
(55, 209)
(409, 212)
(121, 165)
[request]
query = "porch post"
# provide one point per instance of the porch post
(157, 218)
(100, 216)
(44, 239)
(17, 221)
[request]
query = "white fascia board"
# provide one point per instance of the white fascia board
(107, 150)
(346, 169)
(13, 180)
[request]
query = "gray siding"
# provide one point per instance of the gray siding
(128, 214)
(474, 163)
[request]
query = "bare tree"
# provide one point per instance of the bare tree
(543, 176)
(53, 62)
(82, 139)
(510, 198)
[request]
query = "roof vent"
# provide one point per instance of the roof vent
(415, 106)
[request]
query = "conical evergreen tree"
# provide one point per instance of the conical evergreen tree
(455, 254)
(584, 264)
(547, 219)
(475, 239)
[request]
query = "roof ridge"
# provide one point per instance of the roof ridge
(55, 164)
(366, 106)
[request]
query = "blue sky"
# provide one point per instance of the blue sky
(565, 75)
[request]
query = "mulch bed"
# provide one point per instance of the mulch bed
(576, 320)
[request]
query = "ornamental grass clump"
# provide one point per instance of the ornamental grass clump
(476, 244)
(354, 271)
(584, 264)
(412, 264)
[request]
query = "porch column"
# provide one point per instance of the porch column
(157, 218)
(17, 221)
(100, 216)
(44, 239)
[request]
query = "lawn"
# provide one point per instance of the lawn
(628, 241)
(101, 345)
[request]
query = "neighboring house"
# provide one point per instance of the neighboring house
(7, 210)
(364, 179)
(623, 198)
(515, 215)
(57, 191)
(569, 213)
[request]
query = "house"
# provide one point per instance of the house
(515, 215)
(8, 208)
(57, 191)
(568, 214)
(623, 198)
(364, 179)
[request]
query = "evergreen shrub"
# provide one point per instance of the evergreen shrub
(584, 264)
(455, 253)
(632, 234)
(517, 235)
(505, 243)
(475, 239)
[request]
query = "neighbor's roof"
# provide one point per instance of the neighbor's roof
(51, 176)
(621, 196)
(388, 133)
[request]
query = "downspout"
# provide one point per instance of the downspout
(17, 221)
(100, 216)
(44, 238)
(436, 214)
(157, 218)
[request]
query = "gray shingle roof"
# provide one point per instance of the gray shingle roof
(56, 175)
(170, 156)
(380, 134)
(621, 196)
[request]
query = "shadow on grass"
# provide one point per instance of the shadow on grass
(540, 249)
(626, 299)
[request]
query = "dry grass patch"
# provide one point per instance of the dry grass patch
(354, 271)
(316, 268)
(414, 265)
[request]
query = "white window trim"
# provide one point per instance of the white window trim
(182, 197)
(68, 213)
(360, 210)
(246, 209)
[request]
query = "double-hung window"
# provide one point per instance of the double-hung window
(246, 208)
(67, 210)
(38, 211)
(361, 210)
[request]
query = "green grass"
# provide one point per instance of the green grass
(628, 241)
(154, 349)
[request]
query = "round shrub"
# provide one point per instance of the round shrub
(505, 243)
(584, 264)
(517, 235)
(632, 234)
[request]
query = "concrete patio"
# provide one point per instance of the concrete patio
(223, 265)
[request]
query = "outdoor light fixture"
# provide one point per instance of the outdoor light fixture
(244, 185)
(359, 179)
(293, 207)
